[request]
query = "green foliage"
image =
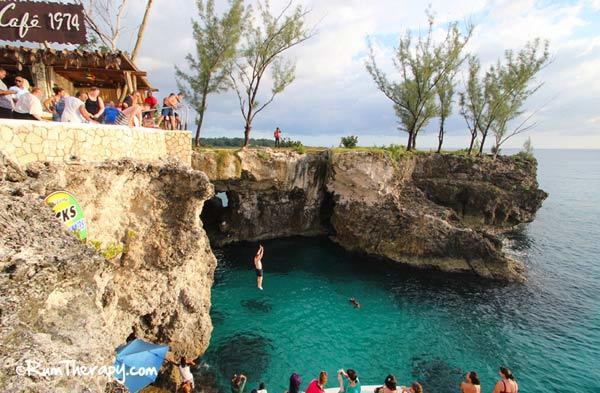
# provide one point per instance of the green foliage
(527, 146)
(423, 65)
(287, 142)
(349, 141)
(266, 37)
(110, 251)
(235, 142)
(396, 152)
(300, 149)
(490, 103)
(216, 41)
(263, 156)
(527, 152)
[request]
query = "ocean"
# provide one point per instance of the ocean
(424, 326)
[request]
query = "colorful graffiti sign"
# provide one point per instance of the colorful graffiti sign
(67, 209)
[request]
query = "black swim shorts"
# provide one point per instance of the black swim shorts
(258, 272)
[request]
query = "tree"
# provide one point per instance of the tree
(445, 96)
(140, 35)
(491, 104)
(265, 41)
(513, 82)
(422, 65)
(104, 19)
(216, 41)
(528, 146)
(472, 100)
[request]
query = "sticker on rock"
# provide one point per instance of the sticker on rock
(67, 209)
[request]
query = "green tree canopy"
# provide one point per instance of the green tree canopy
(266, 37)
(216, 41)
(423, 65)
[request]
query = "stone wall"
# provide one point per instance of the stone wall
(27, 141)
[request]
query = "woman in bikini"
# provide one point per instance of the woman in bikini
(507, 384)
(390, 385)
(471, 383)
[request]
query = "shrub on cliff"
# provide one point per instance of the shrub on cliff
(349, 142)
(296, 145)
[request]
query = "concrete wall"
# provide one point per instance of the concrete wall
(25, 141)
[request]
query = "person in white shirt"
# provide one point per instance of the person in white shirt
(29, 106)
(21, 87)
(75, 111)
(185, 373)
(6, 102)
(262, 388)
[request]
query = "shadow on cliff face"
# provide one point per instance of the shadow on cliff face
(232, 354)
(436, 375)
(216, 215)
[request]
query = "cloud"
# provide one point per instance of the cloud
(333, 95)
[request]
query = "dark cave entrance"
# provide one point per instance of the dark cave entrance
(217, 213)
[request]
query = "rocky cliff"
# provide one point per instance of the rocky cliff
(62, 300)
(269, 194)
(440, 211)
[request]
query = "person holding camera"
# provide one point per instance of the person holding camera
(353, 383)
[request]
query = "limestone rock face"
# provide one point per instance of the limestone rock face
(440, 211)
(492, 194)
(61, 300)
(431, 210)
(270, 193)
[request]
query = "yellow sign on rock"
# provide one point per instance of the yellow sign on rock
(68, 210)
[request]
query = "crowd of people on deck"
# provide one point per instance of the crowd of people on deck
(349, 382)
(22, 101)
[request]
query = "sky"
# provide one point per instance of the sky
(333, 95)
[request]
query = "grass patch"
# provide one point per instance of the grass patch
(263, 156)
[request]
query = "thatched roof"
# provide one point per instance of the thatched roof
(83, 68)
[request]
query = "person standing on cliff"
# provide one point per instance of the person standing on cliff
(277, 136)
(258, 266)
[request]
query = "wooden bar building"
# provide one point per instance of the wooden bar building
(113, 72)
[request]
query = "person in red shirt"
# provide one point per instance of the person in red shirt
(277, 135)
(151, 100)
(318, 385)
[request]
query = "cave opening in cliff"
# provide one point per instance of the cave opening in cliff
(216, 214)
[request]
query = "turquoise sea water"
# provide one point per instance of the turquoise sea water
(422, 326)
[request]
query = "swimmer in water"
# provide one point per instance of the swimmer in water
(258, 266)
(354, 302)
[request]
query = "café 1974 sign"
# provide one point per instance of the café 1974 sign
(42, 22)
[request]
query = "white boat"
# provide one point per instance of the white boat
(363, 389)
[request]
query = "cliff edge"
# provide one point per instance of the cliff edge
(439, 211)
(62, 300)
